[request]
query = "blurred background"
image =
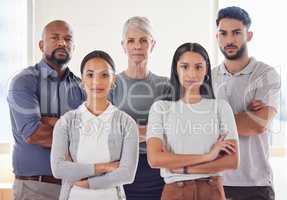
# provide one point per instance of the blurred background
(98, 25)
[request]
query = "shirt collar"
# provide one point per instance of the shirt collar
(245, 71)
(47, 71)
(87, 115)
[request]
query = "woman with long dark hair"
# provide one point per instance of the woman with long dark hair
(192, 137)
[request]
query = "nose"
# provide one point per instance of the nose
(230, 39)
(97, 79)
(62, 43)
(191, 73)
(137, 45)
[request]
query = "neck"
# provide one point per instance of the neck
(192, 96)
(137, 70)
(60, 69)
(235, 66)
(96, 105)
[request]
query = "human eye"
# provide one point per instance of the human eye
(54, 37)
(144, 40)
(237, 33)
(130, 41)
(105, 75)
(89, 75)
(198, 67)
(183, 66)
(222, 33)
(68, 39)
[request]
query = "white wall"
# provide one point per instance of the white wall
(98, 25)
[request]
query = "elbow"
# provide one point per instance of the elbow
(56, 171)
(153, 162)
(30, 140)
(235, 162)
(261, 129)
(129, 176)
(234, 166)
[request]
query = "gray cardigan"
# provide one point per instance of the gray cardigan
(123, 146)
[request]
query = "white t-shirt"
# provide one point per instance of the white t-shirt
(190, 129)
(93, 148)
(257, 81)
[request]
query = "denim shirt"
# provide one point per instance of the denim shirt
(34, 93)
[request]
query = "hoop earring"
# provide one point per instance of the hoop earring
(206, 77)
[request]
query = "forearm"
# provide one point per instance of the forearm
(169, 160)
(126, 171)
(248, 124)
(223, 163)
(42, 136)
(71, 171)
(49, 120)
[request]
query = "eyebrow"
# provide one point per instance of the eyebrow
(234, 30)
(99, 71)
(200, 63)
(57, 34)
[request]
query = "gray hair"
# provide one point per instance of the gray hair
(141, 23)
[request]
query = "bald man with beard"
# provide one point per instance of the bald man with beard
(37, 97)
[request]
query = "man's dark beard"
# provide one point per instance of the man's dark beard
(57, 61)
(235, 56)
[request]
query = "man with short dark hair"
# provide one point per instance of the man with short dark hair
(37, 97)
(252, 89)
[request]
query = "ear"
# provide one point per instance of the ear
(41, 45)
(123, 46)
(152, 45)
(82, 83)
(249, 35)
(114, 79)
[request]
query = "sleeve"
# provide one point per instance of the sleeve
(24, 104)
(61, 168)
(155, 128)
(125, 174)
(268, 88)
(227, 124)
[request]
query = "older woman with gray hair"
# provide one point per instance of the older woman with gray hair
(136, 90)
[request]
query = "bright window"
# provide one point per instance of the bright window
(13, 54)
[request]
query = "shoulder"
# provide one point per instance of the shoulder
(157, 78)
(26, 79)
(74, 77)
(162, 105)
(262, 69)
(222, 106)
(69, 117)
(122, 116)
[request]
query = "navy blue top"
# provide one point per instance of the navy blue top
(34, 93)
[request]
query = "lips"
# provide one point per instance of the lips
(61, 52)
(230, 48)
(97, 90)
(190, 82)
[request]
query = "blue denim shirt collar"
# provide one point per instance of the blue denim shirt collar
(48, 72)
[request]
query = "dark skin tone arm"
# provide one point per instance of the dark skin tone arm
(43, 135)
